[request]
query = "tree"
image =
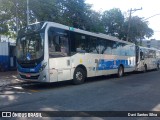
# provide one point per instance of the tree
(113, 21)
(116, 25)
(138, 29)
(3, 19)
(93, 22)
(76, 13)
(12, 12)
(73, 12)
(43, 10)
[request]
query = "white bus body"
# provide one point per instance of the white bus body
(146, 58)
(68, 53)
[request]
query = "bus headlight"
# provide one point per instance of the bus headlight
(43, 66)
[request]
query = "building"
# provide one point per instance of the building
(7, 53)
(151, 43)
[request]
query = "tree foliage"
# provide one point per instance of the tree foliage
(113, 21)
(74, 13)
(138, 29)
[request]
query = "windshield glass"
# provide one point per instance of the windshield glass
(30, 47)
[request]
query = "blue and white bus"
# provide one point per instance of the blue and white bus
(51, 52)
(147, 58)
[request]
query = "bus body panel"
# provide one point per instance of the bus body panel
(96, 64)
(92, 62)
(60, 69)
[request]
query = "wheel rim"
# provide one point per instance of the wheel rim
(79, 76)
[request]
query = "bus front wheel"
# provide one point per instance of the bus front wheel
(79, 76)
(120, 71)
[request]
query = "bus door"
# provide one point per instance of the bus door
(59, 61)
(137, 55)
(12, 55)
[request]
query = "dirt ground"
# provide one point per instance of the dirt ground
(8, 77)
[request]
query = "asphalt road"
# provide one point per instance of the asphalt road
(133, 92)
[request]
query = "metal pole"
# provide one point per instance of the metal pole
(27, 12)
(129, 23)
(129, 20)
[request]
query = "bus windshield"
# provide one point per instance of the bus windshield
(30, 47)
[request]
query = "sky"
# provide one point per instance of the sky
(149, 8)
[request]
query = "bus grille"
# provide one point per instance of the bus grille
(31, 77)
(27, 65)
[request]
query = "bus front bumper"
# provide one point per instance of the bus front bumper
(35, 77)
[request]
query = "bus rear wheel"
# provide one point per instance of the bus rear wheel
(157, 67)
(120, 71)
(79, 76)
(145, 68)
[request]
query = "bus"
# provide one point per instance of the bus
(147, 58)
(52, 52)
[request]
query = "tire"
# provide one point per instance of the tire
(120, 71)
(157, 67)
(145, 68)
(79, 76)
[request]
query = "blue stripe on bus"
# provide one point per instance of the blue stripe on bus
(113, 64)
(29, 70)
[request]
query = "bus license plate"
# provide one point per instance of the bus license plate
(28, 75)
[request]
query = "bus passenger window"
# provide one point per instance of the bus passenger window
(141, 55)
(58, 43)
(64, 45)
(80, 48)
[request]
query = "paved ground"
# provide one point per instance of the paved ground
(133, 92)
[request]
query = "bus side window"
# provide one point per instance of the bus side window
(141, 55)
(58, 42)
(64, 45)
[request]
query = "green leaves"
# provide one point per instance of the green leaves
(75, 13)
(113, 21)
(116, 24)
